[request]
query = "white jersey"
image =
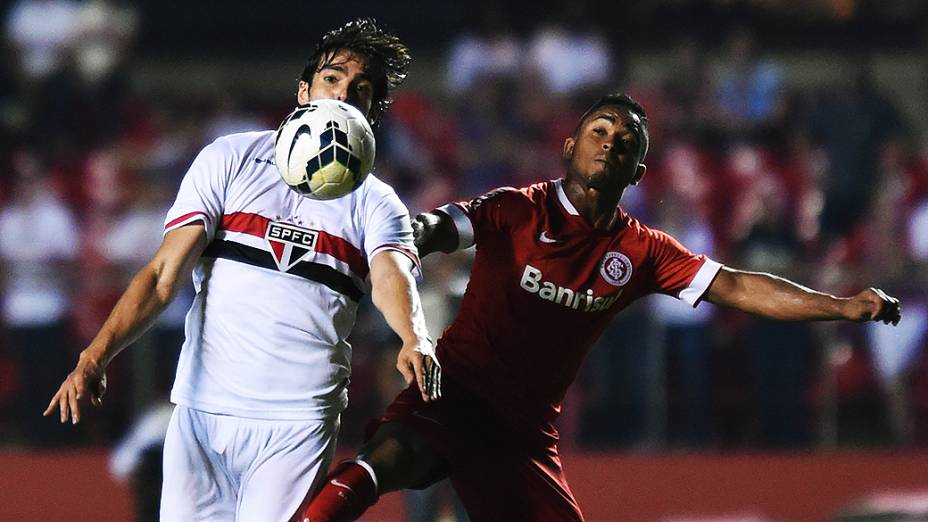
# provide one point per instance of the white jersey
(278, 284)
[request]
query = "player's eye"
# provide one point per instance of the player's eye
(330, 78)
(599, 131)
(364, 88)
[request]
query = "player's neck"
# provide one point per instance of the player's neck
(600, 209)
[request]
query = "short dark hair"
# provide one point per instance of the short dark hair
(387, 59)
(622, 100)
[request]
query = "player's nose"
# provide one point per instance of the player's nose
(340, 93)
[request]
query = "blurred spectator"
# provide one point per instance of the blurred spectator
(421, 143)
(42, 32)
(103, 31)
(570, 52)
(620, 384)
(491, 50)
(38, 241)
(486, 141)
(917, 228)
(852, 123)
(895, 353)
(107, 183)
(686, 93)
(230, 116)
(685, 330)
(749, 92)
(779, 352)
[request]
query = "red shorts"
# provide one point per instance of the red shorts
(500, 471)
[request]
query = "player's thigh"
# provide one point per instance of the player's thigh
(403, 457)
(195, 486)
(295, 462)
(514, 488)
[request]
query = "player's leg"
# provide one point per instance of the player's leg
(292, 458)
(395, 458)
(511, 485)
(196, 485)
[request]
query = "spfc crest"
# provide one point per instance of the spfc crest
(289, 244)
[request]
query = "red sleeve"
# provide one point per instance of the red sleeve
(676, 268)
(497, 210)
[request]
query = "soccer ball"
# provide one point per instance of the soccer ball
(324, 149)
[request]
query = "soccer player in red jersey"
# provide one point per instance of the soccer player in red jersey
(555, 262)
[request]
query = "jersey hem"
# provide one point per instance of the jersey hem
(187, 219)
(417, 265)
(323, 413)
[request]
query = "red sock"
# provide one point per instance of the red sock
(348, 492)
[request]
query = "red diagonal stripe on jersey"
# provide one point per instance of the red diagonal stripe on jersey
(185, 217)
(256, 225)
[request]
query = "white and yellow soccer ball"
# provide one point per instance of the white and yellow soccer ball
(324, 149)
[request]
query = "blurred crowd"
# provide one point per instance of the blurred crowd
(826, 184)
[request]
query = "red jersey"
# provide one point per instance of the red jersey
(543, 287)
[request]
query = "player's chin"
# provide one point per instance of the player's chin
(603, 179)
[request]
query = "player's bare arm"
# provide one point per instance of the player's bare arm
(778, 298)
(434, 232)
(394, 293)
(149, 292)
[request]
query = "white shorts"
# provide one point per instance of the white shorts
(224, 468)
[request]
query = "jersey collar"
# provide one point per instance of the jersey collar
(622, 220)
(562, 197)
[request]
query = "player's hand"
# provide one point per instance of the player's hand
(417, 362)
(434, 232)
(87, 380)
(873, 304)
(422, 226)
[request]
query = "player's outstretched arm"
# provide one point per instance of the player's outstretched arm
(395, 295)
(434, 231)
(778, 298)
(150, 291)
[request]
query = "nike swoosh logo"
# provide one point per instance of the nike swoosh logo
(336, 482)
(543, 237)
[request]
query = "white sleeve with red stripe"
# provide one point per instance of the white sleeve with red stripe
(201, 196)
(387, 226)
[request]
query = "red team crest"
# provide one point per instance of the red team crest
(616, 268)
(289, 244)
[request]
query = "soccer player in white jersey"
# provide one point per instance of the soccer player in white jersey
(263, 374)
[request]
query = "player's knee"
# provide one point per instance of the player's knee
(401, 458)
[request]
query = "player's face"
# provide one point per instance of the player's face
(340, 77)
(606, 149)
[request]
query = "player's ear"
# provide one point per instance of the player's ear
(302, 92)
(568, 148)
(639, 173)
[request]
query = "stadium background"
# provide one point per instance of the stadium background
(786, 137)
